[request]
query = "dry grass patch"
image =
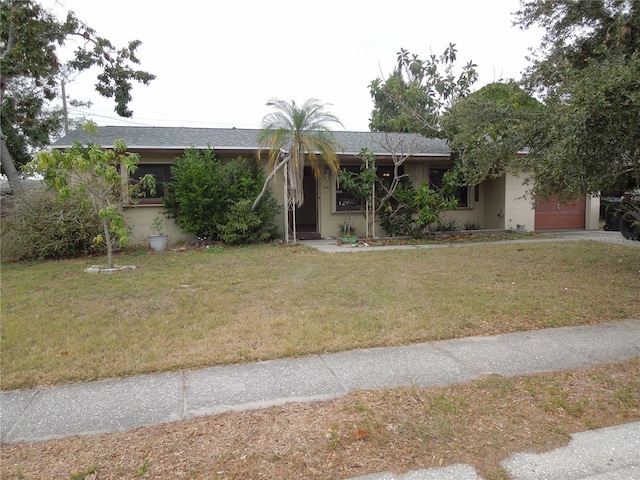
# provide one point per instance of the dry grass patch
(200, 308)
(480, 423)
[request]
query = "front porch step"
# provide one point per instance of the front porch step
(309, 236)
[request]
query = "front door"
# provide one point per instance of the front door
(307, 214)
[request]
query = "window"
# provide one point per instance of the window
(162, 174)
(461, 193)
(346, 202)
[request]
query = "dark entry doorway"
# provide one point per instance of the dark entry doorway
(307, 214)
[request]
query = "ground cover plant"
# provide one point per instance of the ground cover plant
(397, 430)
(40, 224)
(445, 237)
(194, 308)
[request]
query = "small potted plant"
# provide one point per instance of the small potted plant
(347, 230)
(157, 240)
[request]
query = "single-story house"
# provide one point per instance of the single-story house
(495, 204)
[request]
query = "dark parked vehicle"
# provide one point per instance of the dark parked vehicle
(628, 215)
(610, 212)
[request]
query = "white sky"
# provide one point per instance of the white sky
(218, 62)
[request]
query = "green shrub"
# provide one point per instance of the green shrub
(448, 225)
(416, 211)
(42, 225)
(398, 221)
(244, 179)
(194, 196)
(471, 225)
(205, 197)
(244, 226)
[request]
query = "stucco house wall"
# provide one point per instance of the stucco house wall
(493, 211)
(494, 204)
(518, 209)
(592, 213)
(139, 218)
(506, 204)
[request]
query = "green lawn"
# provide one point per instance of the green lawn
(206, 307)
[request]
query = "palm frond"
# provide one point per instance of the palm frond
(302, 132)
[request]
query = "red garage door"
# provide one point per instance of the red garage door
(553, 215)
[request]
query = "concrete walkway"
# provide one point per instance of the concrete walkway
(614, 238)
(120, 405)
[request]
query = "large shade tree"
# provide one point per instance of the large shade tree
(587, 73)
(415, 95)
(488, 129)
(294, 135)
(413, 98)
(31, 70)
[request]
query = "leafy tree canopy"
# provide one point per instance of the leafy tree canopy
(31, 71)
(414, 96)
(488, 128)
(587, 72)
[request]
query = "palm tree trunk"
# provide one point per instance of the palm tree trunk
(286, 204)
(295, 232)
(296, 175)
(267, 181)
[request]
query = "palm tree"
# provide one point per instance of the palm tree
(294, 134)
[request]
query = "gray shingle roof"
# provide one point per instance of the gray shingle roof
(179, 138)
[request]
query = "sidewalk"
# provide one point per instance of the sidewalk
(120, 405)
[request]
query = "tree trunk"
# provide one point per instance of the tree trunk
(8, 167)
(108, 242)
(268, 180)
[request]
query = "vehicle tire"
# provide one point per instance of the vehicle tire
(630, 225)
